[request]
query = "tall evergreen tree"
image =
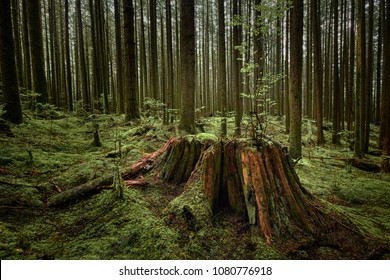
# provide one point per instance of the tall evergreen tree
(36, 49)
(130, 89)
(318, 89)
(8, 73)
(385, 109)
(296, 41)
(222, 65)
(187, 65)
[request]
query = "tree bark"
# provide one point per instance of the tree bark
(318, 85)
(222, 66)
(10, 86)
(385, 109)
(36, 49)
(187, 65)
(296, 41)
(130, 94)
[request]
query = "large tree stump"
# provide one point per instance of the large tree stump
(257, 183)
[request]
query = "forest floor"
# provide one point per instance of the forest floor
(48, 156)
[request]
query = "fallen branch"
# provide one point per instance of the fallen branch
(91, 187)
(361, 164)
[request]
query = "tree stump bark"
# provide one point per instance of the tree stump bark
(261, 185)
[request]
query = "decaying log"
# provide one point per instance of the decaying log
(142, 166)
(359, 163)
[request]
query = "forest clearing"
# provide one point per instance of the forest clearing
(46, 157)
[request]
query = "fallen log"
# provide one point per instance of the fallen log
(362, 164)
(143, 166)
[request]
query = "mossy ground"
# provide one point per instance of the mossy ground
(151, 222)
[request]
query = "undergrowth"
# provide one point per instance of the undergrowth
(51, 155)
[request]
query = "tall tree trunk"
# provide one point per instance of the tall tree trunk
(130, 88)
(222, 65)
(236, 69)
(68, 59)
(187, 65)
(336, 75)
(379, 65)
(287, 77)
(16, 31)
(369, 77)
(10, 86)
(82, 59)
(350, 87)
(26, 49)
(154, 77)
(258, 54)
(36, 49)
(360, 80)
(170, 72)
(119, 58)
(296, 41)
(385, 110)
(318, 89)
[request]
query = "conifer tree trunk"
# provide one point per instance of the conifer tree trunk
(119, 58)
(287, 77)
(187, 65)
(236, 70)
(68, 59)
(8, 74)
(36, 49)
(296, 41)
(222, 66)
(130, 88)
(369, 77)
(26, 48)
(170, 72)
(360, 80)
(350, 87)
(318, 92)
(154, 77)
(17, 43)
(385, 109)
(84, 87)
(336, 75)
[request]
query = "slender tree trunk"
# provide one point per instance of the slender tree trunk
(83, 67)
(8, 74)
(187, 65)
(336, 75)
(296, 41)
(360, 81)
(236, 69)
(68, 58)
(154, 77)
(36, 49)
(369, 77)
(385, 110)
(379, 65)
(287, 77)
(119, 58)
(170, 72)
(318, 89)
(26, 49)
(16, 31)
(130, 88)
(350, 88)
(222, 65)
